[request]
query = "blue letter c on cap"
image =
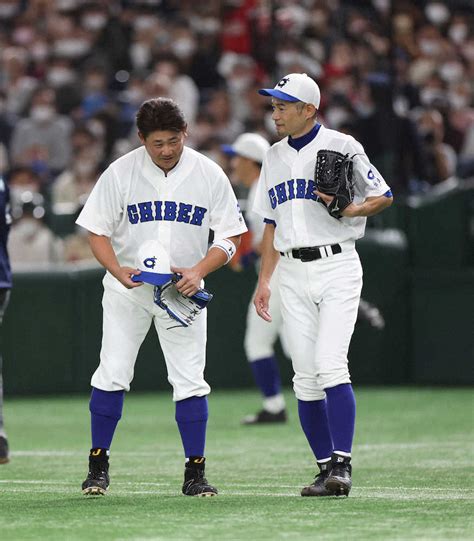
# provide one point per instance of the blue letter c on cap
(150, 262)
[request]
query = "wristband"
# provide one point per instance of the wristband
(227, 246)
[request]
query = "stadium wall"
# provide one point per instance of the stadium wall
(420, 276)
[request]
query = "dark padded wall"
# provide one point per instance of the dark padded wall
(420, 276)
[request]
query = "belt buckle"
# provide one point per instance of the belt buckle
(307, 254)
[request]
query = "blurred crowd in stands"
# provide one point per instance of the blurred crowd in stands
(398, 75)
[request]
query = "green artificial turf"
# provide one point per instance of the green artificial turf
(412, 458)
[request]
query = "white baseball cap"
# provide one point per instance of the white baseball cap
(248, 145)
(295, 87)
(154, 263)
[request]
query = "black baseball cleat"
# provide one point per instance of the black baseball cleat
(317, 488)
(265, 417)
(98, 480)
(195, 484)
(3, 450)
(339, 481)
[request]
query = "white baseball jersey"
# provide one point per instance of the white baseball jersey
(134, 201)
(286, 185)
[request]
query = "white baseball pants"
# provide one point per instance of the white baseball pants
(260, 335)
(320, 300)
(126, 321)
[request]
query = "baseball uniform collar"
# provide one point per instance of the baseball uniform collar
(299, 142)
(153, 173)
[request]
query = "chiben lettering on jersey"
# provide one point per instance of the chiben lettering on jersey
(299, 188)
(170, 211)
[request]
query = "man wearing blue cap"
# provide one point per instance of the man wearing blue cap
(319, 269)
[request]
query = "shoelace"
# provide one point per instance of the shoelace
(321, 475)
(198, 477)
(341, 469)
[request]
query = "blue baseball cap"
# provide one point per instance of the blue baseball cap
(295, 87)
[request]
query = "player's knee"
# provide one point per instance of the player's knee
(307, 389)
(196, 389)
(255, 350)
(334, 377)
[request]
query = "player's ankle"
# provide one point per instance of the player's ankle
(99, 454)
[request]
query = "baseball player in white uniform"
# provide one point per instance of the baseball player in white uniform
(319, 270)
(162, 191)
(247, 153)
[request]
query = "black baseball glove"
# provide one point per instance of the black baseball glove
(333, 176)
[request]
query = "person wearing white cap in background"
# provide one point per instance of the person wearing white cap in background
(247, 154)
(320, 274)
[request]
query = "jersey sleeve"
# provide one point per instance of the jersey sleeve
(226, 218)
(103, 208)
(262, 204)
(367, 179)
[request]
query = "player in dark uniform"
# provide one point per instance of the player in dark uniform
(5, 286)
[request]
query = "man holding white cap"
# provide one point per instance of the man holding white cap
(150, 215)
(319, 270)
(248, 152)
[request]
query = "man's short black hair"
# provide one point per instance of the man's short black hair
(160, 114)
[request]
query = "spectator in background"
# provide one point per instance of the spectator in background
(203, 66)
(31, 241)
(73, 186)
(110, 33)
(203, 132)
(95, 92)
(42, 140)
(82, 138)
(7, 122)
(182, 89)
(62, 76)
(240, 75)
(5, 286)
(23, 183)
(227, 127)
(129, 101)
(146, 28)
(69, 40)
(440, 157)
(15, 81)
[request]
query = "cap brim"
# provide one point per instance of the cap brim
(277, 94)
(228, 149)
(153, 278)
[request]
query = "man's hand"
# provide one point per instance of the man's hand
(370, 207)
(261, 301)
(190, 282)
(124, 276)
(350, 211)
